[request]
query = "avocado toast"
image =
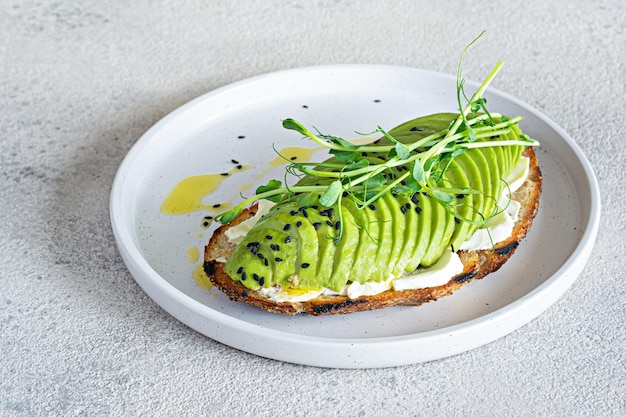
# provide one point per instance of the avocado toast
(406, 219)
(292, 246)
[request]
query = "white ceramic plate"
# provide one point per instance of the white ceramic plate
(202, 137)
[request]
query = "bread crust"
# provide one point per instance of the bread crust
(477, 264)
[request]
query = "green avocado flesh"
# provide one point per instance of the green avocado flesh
(311, 247)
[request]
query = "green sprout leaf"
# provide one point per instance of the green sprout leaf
(376, 181)
(293, 124)
(346, 156)
(271, 185)
(341, 142)
(402, 151)
(307, 199)
(357, 165)
(332, 193)
(418, 172)
(442, 196)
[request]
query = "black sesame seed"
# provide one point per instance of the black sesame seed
(288, 239)
(456, 220)
(216, 205)
(239, 166)
(260, 255)
(277, 259)
(293, 158)
(377, 101)
(407, 205)
(299, 223)
(413, 129)
(205, 224)
(305, 213)
(403, 210)
(268, 237)
(316, 225)
(224, 174)
(314, 207)
(376, 141)
(337, 225)
(327, 213)
(372, 207)
(286, 227)
(328, 222)
(234, 161)
(414, 199)
(262, 281)
(265, 262)
(305, 265)
(460, 196)
(240, 270)
(418, 210)
(243, 276)
(344, 194)
(208, 217)
(293, 212)
(255, 277)
(241, 137)
(254, 250)
(304, 106)
(273, 247)
(363, 153)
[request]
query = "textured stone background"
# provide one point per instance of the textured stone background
(81, 81)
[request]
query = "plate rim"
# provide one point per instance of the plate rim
(578, 256)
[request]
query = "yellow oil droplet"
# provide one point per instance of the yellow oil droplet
(193, 254)
(288, 155)
(298, 291)
(187, 195)
(200, 277)
(293, 153)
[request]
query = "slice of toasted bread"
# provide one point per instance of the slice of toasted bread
(477, 263)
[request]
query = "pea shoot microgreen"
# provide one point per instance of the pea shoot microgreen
(364, 173)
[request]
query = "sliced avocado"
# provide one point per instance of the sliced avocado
(416, 129)
(423, 209)
(299, 234)
(345, 250)
(438, 219)
(322, 222)
(398, 225)
(385, 224)
(397, 235)
(463, 204)
(492, 189)
(253, 261)
(407, 207)
(475, 179)
(365, 252)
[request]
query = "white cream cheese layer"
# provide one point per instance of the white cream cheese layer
(236, 234)
(496, 230)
